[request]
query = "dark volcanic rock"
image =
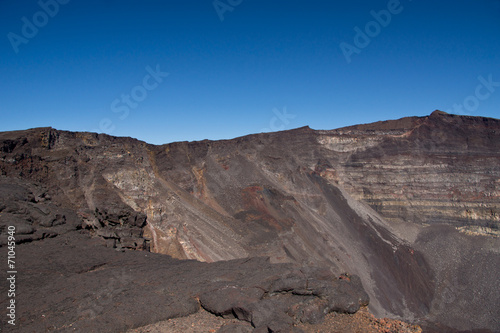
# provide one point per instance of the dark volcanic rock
(405, 205)
(82, 285)
(230, 299)
(299, 298)
(29, 209)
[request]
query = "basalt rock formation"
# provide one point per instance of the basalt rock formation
(411, 206)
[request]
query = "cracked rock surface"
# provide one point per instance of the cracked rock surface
(82, 285)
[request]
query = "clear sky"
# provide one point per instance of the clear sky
(175, 70)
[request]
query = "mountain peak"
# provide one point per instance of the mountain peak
(436, 113)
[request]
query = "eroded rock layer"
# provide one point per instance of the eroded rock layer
(437, 169)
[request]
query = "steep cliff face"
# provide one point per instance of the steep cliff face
(437, 169)
(371, 199)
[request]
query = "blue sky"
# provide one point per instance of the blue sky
(164, 71)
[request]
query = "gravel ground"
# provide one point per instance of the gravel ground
(200, 322)
(362, 322)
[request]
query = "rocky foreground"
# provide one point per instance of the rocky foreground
(75, 284)
(279, 229)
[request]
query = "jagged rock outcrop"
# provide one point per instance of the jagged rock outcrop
(29, 209)
(384, 201)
